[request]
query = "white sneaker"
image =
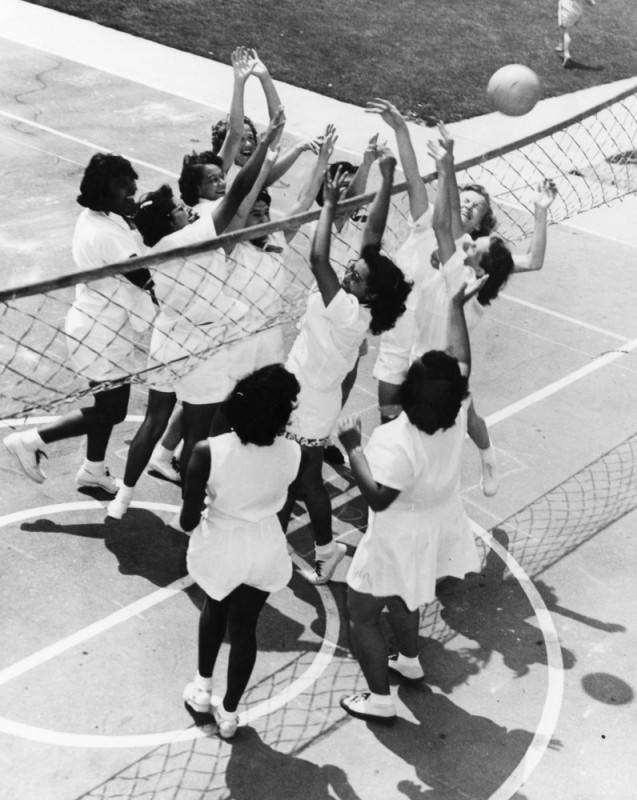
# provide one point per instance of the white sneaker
(489, 481)
(28, 458)
(117, 507)
(167, 469)
(197, 698)
(227, 721)
(363, 707)
(408, 671)
(323, 570)
(104, 481)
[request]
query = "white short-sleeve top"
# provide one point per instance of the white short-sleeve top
(329, 339)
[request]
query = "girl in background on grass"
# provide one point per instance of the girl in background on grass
(409, 473)
(237, 552)
(102, 324)
(195, 312)
(371, 296)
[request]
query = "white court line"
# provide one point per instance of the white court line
(564, 317)
(556, 386)
(83, 142)
(552, 705)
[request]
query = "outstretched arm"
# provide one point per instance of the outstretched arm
(242, 68)
(378, 496)
(457, 332)
(416, 189)
(534, 258)
(244, 181)
(197, 474)
(287, 159)
(269, 89)
(453, 193)
(377, 218)
(311, 186)
(322, 269)
(442, 214)
(250, 199)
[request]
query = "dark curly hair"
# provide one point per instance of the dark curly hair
(387, 289)
(346, 167)
(497, 262)
(488, 221)
(219, 131)
(153, 218)
(432, 392)
(260, 405)
(95, 187)
(192, 172)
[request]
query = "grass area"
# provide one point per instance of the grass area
(432, 57)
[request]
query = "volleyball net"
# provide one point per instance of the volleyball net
(211, 301)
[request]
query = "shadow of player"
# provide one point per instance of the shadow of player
(455, 754)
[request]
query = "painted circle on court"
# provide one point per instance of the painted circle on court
(50, 736)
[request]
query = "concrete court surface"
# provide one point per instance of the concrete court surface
(508, 698)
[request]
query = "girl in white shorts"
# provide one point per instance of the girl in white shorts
(409, 473)
(237, 551)
(371, 296)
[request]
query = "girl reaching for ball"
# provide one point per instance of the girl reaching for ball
(409, 473)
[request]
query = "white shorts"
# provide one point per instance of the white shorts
(569, 13)
(315, 416)
(225, 553)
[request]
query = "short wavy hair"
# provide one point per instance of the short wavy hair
(192, 172)
(488, 221)
(433, 391)
(497, 262)
(95, 187)
(153, 218)
(260, 405)
(387, 289)
(219, 131)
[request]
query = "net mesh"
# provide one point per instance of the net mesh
(537, 536)
(95, 325)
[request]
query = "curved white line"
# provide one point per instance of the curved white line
(63, 738)
(555, 673)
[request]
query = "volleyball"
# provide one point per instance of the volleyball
(514, 90)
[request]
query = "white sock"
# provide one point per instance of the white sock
(162, 454)
(33, 440)
(224, 713)
(381, 699)
(324, 551)
(125, 493)
(203, 683)
(94, 467)
(488, 455)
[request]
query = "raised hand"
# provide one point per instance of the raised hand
(275, 128)
(349, 432)
(258, 67)
(446, 140)
(546, 194)
(440, 155)
(387, 112)
(333, 186)
(242, 65)
(370, 153)
(327, 142)
(468, 290)
(386, 162)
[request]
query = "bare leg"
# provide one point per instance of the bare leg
(368, 642)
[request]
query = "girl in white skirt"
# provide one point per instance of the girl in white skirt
(409, 473)
(237, 552)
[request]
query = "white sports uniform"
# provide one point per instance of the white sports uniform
(569, 12)
(425, 533)
(195, 315)
(413, 258)
(239, 539)
(106, 315)
(260, 278)
(323, 353)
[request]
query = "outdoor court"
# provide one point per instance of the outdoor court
(529, 666)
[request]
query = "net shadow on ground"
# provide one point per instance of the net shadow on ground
(447, 746)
